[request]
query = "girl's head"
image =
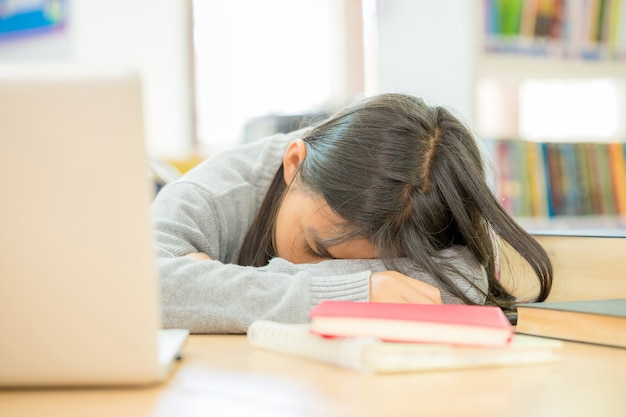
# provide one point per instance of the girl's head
(393, 177)
(401, 174)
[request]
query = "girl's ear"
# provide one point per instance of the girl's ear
(293, 157)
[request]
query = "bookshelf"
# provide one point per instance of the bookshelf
(550, 183)
(587, 30)
(425, 49)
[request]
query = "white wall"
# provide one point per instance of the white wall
(151, 36)
(423, 47)
(426, 48)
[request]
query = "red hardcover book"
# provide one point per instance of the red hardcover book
(425, 323)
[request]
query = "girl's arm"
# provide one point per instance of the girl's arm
(218, 296)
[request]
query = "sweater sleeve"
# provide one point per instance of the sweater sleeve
(213, 297)
(219, 297)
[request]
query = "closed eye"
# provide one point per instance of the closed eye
(309, 250)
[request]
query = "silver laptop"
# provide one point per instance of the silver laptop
(79, 295)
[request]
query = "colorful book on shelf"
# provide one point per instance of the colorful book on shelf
(592, 321)
(606, 179)
(583, 175)
(555, 177)
(426, 323)
(536, 168)
(375, 356)
(510, 12)
(594, 181)
(505, 178)
(560, 179)
(524, 174)
(618, 173)
(579, 29)
(569, 184)
(546, 179)
(528, 19)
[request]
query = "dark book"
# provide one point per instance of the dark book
(592, 321)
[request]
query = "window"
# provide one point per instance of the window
(255, 58)
(552, 110)
(569, 110)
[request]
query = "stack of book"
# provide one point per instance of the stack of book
(601, 322)
(390, 338)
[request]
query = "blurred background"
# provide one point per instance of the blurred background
(525, 75)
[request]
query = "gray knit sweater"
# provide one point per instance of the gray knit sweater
(210, 210)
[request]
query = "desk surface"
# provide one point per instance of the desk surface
(224, 376)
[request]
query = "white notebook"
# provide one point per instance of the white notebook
(375, 356)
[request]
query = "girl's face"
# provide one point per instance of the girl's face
(304, 222)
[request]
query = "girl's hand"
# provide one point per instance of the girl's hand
(394, 287)
(199, 256)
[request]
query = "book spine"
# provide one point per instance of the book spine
(590, 152)
(505, 186)
(546, 177)
(620, 31)
(555, 176)
(608, 200)
(584, 181)
(568, 180)
(618, 173)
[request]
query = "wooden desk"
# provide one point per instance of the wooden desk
(224, 376)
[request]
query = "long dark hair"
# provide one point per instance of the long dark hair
(408, 177)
